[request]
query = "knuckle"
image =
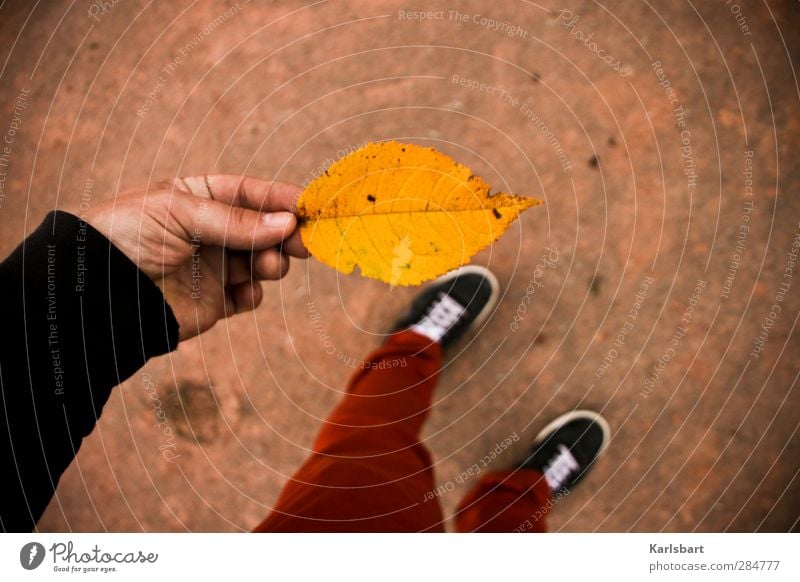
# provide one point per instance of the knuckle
(271, 265)
(240, 220)
(162, 185)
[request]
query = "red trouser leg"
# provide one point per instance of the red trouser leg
(505, 501)
(368, 470)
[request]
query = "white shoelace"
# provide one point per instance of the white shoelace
(560, 467)
(442, 316)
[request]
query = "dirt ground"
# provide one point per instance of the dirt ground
(658, 284)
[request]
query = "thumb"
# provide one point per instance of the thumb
(217, 223)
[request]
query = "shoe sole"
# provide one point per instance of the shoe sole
(493, 283)
(570, 416)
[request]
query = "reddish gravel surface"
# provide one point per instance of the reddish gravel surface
(656, 285)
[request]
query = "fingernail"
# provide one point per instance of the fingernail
(278, 219)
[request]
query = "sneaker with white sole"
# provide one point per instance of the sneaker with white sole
(452, 305)
(567, 447)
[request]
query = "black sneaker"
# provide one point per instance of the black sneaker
(452, 305)
(566, 448)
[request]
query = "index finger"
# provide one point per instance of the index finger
(244, 191)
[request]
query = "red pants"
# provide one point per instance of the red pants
(370, 473)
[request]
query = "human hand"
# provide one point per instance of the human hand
(206, 241)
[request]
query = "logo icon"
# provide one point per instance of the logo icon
(31, 555)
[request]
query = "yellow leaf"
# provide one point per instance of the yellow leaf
(402, 213)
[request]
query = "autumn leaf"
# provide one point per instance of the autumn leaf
(402, 213)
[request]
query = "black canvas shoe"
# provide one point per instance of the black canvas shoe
(566, 448)
(452, 305)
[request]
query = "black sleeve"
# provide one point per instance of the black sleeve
(78, 318)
